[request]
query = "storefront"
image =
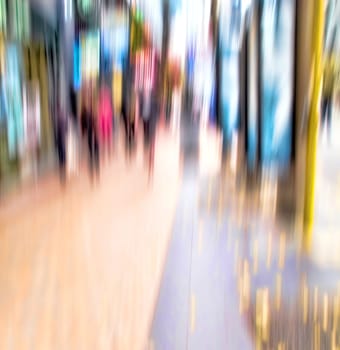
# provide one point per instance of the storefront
(12, 131)
(15, 25)
(28, 68)
(277, 57)
(258, 82)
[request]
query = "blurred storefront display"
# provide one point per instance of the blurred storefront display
(230, 30)
(277, 81)
(28, 57)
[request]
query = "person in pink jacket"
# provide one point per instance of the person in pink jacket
(105, 118)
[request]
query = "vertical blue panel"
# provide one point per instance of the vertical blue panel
(230, 25)
(277, 53)
(76, 65)
(15, 127)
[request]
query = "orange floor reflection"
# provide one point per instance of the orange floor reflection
(81, 267)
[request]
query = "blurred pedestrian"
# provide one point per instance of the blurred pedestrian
(85, 110)
(84, 120)
(105, 118)
(129, 117)
(61, 131)
(125, 108)
(73, 105)
(131, 122)
(149, 113)
(92, 139)
(89, 130)
(168, 106)
(125, 121)
(73, 137)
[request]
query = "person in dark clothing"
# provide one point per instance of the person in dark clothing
(125, 120)
(89, 130)
(61, 130)
(129, 115)
(84, 118)
(132, 121)
(73, 104)
(93, 144)
(128, 110)
(149, 113)
(168, 107)
(125, 99)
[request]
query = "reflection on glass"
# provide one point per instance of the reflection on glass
(76, 65)
(230, 26)
(277, 31)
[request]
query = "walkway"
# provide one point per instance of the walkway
(80, 268)
(193, 262)
(235, 278)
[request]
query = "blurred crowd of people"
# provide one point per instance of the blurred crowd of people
(91, 127)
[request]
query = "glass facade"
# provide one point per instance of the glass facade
(230, 25)
(277, 84)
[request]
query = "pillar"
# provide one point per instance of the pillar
(316, 53)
